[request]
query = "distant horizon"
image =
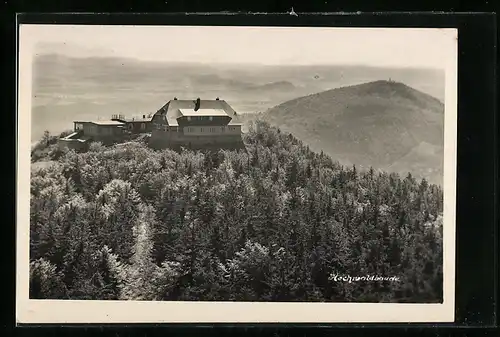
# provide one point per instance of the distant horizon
(265, 66)
(233, 64)
(294, 46)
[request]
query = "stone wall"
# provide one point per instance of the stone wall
(197, 142)
(73, 144)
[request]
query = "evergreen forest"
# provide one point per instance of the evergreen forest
(272, 222)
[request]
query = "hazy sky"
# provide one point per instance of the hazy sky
(367, 46)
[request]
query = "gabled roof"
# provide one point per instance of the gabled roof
(203, 112)
(174, 108)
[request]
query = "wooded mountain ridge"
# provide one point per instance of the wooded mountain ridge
(272, 222)
(384, 124)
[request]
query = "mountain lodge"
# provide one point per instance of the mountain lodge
(196, 124)
(105, 131)
(192, 124)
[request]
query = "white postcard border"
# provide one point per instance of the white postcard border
(69, 311)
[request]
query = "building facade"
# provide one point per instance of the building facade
(105, 131)
(101, 130)
(196, 124)
(193, 124)
(134, 125)
(111, 131)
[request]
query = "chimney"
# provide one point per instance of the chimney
(217, 99)
(197, 104)
(175, 98)
(143, 116)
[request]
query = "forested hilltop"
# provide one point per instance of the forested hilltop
(272, 223)
(384, 124)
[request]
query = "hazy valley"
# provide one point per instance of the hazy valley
(383, 124)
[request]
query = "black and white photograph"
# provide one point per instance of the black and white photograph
(236, 174)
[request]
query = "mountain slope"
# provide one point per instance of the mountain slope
(381, 124)
(270, 224)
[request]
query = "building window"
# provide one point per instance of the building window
(201, 129)
(143, 126)
(130, 126)
(222, 129)
(189, 118)
(210, 118)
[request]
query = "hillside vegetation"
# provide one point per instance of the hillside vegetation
(383, 124)
(272, 223)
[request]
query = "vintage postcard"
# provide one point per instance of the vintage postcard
(236, 174)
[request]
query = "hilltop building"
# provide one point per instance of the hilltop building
(196, 124)
(135, 125)
(117, 129)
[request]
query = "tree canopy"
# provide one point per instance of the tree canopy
(269, 223)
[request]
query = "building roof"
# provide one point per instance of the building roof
(173, 109)
(202, 112)
(147, 120)
(107, 122)
(102, 122)
(138, 119)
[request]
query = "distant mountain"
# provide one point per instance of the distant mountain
(384, 124)
(115, 69)
(278, 86)
(66, 88)
(214, 79)
(307, 79)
